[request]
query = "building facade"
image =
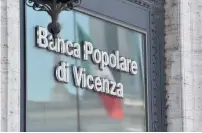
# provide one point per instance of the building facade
(163, 37)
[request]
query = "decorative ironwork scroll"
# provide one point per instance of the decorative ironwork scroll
(53, 8)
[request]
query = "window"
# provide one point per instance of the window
(52, 106)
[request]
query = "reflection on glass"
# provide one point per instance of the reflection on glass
(53, 106)
(106, 113)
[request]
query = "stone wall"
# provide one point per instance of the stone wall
(191, 33)
(173, 65)
(183, 64)
(10, 65)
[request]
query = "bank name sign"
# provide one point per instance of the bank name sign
(86, 52)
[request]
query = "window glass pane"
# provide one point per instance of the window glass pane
(54, 106)
(51, 106)
(105, 113)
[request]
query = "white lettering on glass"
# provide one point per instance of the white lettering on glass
(62, 72)
(86, 51)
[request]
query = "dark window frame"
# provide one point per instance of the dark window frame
(147, 15)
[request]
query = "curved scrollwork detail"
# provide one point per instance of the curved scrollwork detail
(71, 4)
(37, 6)
(47, 5)
(53, 8)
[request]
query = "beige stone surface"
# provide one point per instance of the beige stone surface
(186, 92)
(173, 65)
(10, 65)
